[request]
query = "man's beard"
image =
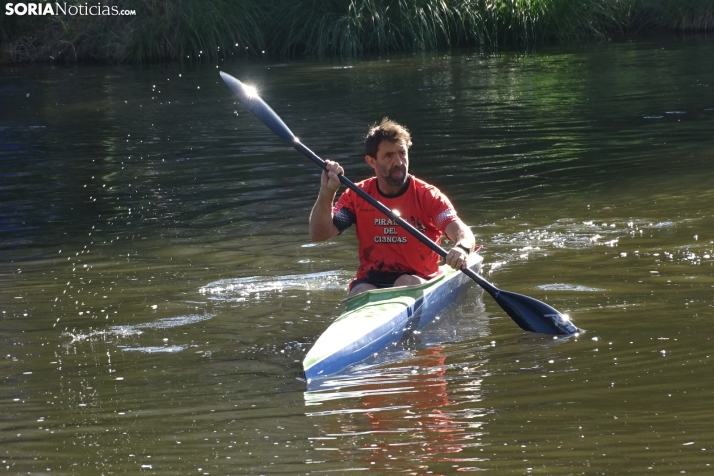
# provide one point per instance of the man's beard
(397, 181)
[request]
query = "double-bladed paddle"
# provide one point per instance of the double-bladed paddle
(530, 314)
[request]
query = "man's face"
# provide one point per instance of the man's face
(391, 163)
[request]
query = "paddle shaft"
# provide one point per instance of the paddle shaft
(303, 149)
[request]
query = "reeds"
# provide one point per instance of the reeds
(353, 27)
(192, 30)
(160, 30)
(685, 15)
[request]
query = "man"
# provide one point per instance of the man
(388, 255)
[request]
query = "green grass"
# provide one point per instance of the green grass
(192, 30)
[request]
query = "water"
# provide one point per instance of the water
(159, 289)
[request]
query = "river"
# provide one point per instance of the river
(159, 289)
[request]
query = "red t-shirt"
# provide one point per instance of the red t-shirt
(384, 247)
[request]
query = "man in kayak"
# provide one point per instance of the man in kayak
(388, 255)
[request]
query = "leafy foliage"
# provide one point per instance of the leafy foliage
(192, 30)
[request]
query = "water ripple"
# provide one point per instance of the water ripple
(135, 330)
(568, 287)
(240, 289)
(155, 349)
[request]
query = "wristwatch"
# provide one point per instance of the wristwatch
(466, 249)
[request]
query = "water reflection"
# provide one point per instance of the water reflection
(407, 418)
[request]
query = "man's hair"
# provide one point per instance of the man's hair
(385, 130)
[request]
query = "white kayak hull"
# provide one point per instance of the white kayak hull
(376, 319)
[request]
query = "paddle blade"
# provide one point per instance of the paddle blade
(533, 315)
(248, 95)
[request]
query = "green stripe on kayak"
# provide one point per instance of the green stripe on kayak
(376, 295)
(356, 323)
(366, 312)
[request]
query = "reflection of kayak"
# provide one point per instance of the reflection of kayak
(376, 319)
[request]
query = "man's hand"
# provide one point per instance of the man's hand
(330, 182)
(321, 226)
(464, 241)
(457, 258)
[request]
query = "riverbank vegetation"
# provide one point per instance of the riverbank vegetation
(195, 30)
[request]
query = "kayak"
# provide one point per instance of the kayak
(376, 319)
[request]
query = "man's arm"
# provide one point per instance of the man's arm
(321, 226)
(463, 239)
